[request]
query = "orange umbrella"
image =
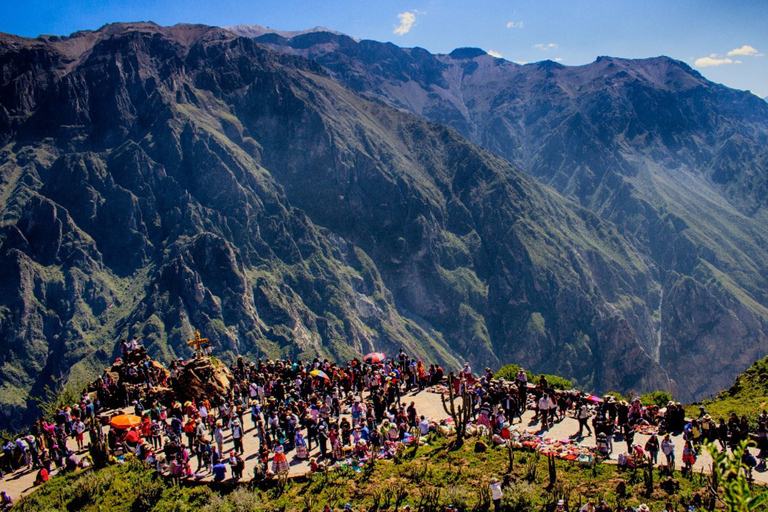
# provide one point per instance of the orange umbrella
(125, 421)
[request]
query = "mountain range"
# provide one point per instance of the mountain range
(677, 163)
(310, 194)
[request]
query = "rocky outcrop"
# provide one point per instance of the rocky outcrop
(202, 377)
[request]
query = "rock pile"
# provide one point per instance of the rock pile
(202, 377)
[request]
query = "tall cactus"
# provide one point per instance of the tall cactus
(461, 414)
(552, 468)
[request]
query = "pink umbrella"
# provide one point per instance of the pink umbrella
(375, 357)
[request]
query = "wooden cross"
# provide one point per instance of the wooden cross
(197, 343)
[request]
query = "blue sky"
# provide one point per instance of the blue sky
(727, 40)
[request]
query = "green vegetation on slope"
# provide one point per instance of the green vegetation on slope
(432, 475)
(748, 395)
(508, 372)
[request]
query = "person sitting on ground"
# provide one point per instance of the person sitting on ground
(219, 472)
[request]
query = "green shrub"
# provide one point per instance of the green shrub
(245, 500)
(660, 398)
(508, 372)
(618, 396)
(520, 497)
(557, 382)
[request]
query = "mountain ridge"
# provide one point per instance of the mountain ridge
(678, 163)
(160, 180)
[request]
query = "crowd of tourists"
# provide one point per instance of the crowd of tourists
(350, 412)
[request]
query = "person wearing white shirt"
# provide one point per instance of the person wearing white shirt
(496, 493)
(545, 404)
(424, 425)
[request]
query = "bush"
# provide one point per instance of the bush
(148, 493)
(557, 382)
(660, 398)
(244, 500)
(520, 497)
(508, 372)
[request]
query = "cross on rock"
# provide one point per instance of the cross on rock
(197, 343)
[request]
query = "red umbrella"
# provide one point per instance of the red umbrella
(132, 437)
(375, 357)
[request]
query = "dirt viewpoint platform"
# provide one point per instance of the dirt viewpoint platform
(429, 404)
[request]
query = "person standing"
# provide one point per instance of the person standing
(583, 415)
(496, 494)
(218, 436)
(689, 455)
(629, 435)
(237, 436)
(78, 428)
(545, 404)
(668, 449)
(652, 447)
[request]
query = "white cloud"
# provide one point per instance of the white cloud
(713, 60)
(407, 19)
(745, 51)
(515, 24)
(544, 47)
(494, 54)
(558, 59)
(521, 62)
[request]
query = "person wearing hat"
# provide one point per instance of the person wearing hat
(218, 435)
(496, 493)
(561, 506)
(582, 415)
(279, 461)
(237, 435)
(589, 506)
(643, 508)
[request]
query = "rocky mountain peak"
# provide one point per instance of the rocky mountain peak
(466, 53)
